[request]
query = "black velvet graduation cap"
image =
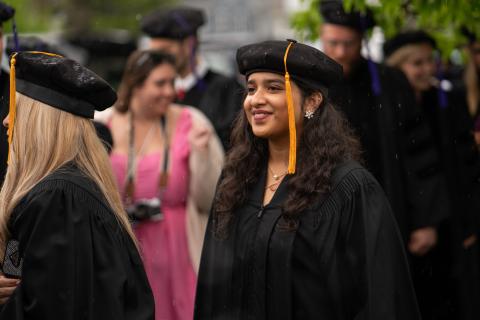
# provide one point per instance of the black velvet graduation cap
(333, 12)
(305, 64)
(61, 83)
(296, 60)
(173, 23)
(406, 38)
(6, 12)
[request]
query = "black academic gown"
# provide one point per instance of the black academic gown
(345, 261)
(397, 143)
(451, 126)
(4, 99)
(456, 280)
(76, 260)
(220, 99)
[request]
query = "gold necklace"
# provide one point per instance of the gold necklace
(274, 186)
(275, 176)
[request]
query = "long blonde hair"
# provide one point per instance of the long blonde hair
(401, 55)
(44, 139)
(473, 86)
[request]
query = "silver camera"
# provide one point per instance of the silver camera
(145, 209)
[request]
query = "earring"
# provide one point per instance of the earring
(309, 114)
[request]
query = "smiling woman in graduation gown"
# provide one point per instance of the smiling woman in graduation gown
(64, 233)
(322, 242)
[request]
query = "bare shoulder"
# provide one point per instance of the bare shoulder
(118, 119)
(176, 109)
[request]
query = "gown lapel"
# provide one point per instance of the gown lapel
(270, 240)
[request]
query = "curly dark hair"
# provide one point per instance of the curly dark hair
(325, 142)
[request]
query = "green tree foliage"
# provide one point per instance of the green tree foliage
(31, 16)
(441, 18)
(77, 16)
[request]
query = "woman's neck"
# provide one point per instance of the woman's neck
(278, 155)
(142, 118)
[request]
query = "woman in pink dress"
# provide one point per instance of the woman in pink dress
(167, 160)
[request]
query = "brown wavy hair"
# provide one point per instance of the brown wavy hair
(472, 82)
(139, 66)
(325, 142)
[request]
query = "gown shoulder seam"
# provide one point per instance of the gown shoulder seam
(345, 186)
(68, 186)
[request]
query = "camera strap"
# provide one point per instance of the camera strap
(129, 190)
(163, 179)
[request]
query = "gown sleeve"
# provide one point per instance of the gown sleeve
(373, 252)
(71, 269)
(426, 187)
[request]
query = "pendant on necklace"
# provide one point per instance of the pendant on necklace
(273, 187)
(276, 177)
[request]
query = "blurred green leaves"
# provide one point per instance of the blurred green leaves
(307, 22)
(77, 16)
(441, 18)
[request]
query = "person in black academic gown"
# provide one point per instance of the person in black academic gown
(63, 231)
(471, 80)
(454, 290)
(6, 13)
(299, 229)
(396, 140)
(219, 97)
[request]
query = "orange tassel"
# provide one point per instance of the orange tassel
(292, 156)
(45, 53)
(12, 108)
(12, 105)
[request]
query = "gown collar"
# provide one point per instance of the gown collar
(258, 190)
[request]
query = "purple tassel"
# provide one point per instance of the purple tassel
(376, 87)
(372, 68)
(15, 36)
(186, 26)
(442, 98)
(442, 95)
(200, 83)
